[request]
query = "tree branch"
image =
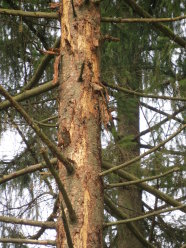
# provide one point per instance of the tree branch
(113, 185)
(144, 216)
(28, 241)
(128, 176)
(66, 227)
(67, 201)
(50, 218)
(50, 15)
(135, 93)
(38, 14)
(172, 152)
(29, 93)
(143, 154)
(119, 214)
(141, 20)
(29, 169)
(159, 124)
(164, 29)
(38, 131)
(161, 112)
(41, 67)
(13, 220)
(37, 33)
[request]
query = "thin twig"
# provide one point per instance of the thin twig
(120, 214)
(27, 241)
(45, 224)
(66, 227)
(113, 185)
(143, 154)
(141, 20)
(164, 29)
(144, 186)
(144, 216)
(54, 149)
(140, 94)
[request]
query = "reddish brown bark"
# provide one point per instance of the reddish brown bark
(79, 122)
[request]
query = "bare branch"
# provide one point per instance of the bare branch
(67, 201)
(37, 32)
(50, 218)
(113, 185)
(66, 227)
(141, 20)
(135, 93)
(128, 176)
(38, 131)
(161, 112)
(144, 216)
(159, 123)
(167, 151)
(27, 241)
(164, 29)
(143, 154)
(49, 15)
(13, 220)
(29, 169)
(29, 93)
(14, 12)
(41, 67)
(119, 214)
(109, 38)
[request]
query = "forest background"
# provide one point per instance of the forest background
(142, 76)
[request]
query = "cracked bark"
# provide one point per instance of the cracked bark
(79, 122)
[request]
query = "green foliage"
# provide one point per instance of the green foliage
(127, 142)
(143, 60)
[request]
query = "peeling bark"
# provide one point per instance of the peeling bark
(79, 122)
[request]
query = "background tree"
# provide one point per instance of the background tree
(142, 66)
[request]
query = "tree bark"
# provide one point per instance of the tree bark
(79, 122)
(130, 197)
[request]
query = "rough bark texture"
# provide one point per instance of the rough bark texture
(129, 198)
(79, 121)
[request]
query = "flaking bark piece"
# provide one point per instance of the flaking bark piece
(56, 69)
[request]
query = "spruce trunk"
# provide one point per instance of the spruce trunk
(79, 122)
(130, 197)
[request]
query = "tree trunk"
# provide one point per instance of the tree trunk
(130, 197)
(79, 121)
